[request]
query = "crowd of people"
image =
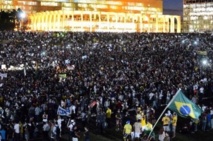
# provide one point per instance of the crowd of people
(116, 78)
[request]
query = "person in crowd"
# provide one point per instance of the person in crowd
(44, 117)
(137, 129)
(174, 124)
(83, 118)
(59, 123)
(92, 71)
(86, 134)
(101, 121)
(127, 131)
(71, 123)
(211, 113)
(3, 134)
(27, 135)
(76, 134)
(16, 131)
(143, 122)
(185, 129)
(46, 129)
(108, 117)
(52, 132)
(166, 122)
(118, 117)
(162, 135)
(204, 121)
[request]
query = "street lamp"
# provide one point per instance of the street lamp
(20, 17)
(204, 62)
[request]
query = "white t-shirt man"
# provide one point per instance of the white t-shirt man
(71, 125)
(138, 129)
(162, 136)
(17, 128)
(201, 90)
(46, 127)
(59, 121)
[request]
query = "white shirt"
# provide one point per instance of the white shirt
(203, 107)
(37, 111)
(201, 90)
(71, 126)
(195, 87)
(62, 103)
(16, 128)
(151, 95)
(73, 107)
(211, 111)
(59, 121)
(53, 133)
(162, 136)
(46, 127)
(194, 99)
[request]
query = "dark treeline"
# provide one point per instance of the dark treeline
(8, 19)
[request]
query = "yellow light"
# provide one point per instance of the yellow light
(146, 18)
(114, 2)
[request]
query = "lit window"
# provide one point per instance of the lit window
(49, 4)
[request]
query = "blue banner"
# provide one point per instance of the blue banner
(63, 112)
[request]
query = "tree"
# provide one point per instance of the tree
(6, 21)
(9, 19)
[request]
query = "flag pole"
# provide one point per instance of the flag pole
(164, 111)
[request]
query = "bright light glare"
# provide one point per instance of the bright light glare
(22, 15)
(195, 42)
(183, 41)
(43, 53)
(205, 62)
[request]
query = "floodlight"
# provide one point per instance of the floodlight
(204, 62)
(195, 42)
(43, 53)
(22, 15)
(183, 41)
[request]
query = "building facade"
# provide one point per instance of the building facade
(197, 15)
(98, 15)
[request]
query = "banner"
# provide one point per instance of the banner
(63, 112)
(204, 53)
(3, 75)
(91, 105)
(62, 75)
(185, 107)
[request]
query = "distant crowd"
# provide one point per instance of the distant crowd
(114, 78)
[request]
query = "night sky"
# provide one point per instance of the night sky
(173, 4)
(176, 5)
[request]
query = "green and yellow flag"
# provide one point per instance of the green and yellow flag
(204, 53)
(62, 75)
(184, 107)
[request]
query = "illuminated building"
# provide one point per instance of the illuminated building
(197, 15)
(99, 16)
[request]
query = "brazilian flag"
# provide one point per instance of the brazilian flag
(184, 107)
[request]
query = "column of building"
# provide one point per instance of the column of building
(178, 24)
(156, 23)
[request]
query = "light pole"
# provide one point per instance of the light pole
(21, 21)
(20, 15)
